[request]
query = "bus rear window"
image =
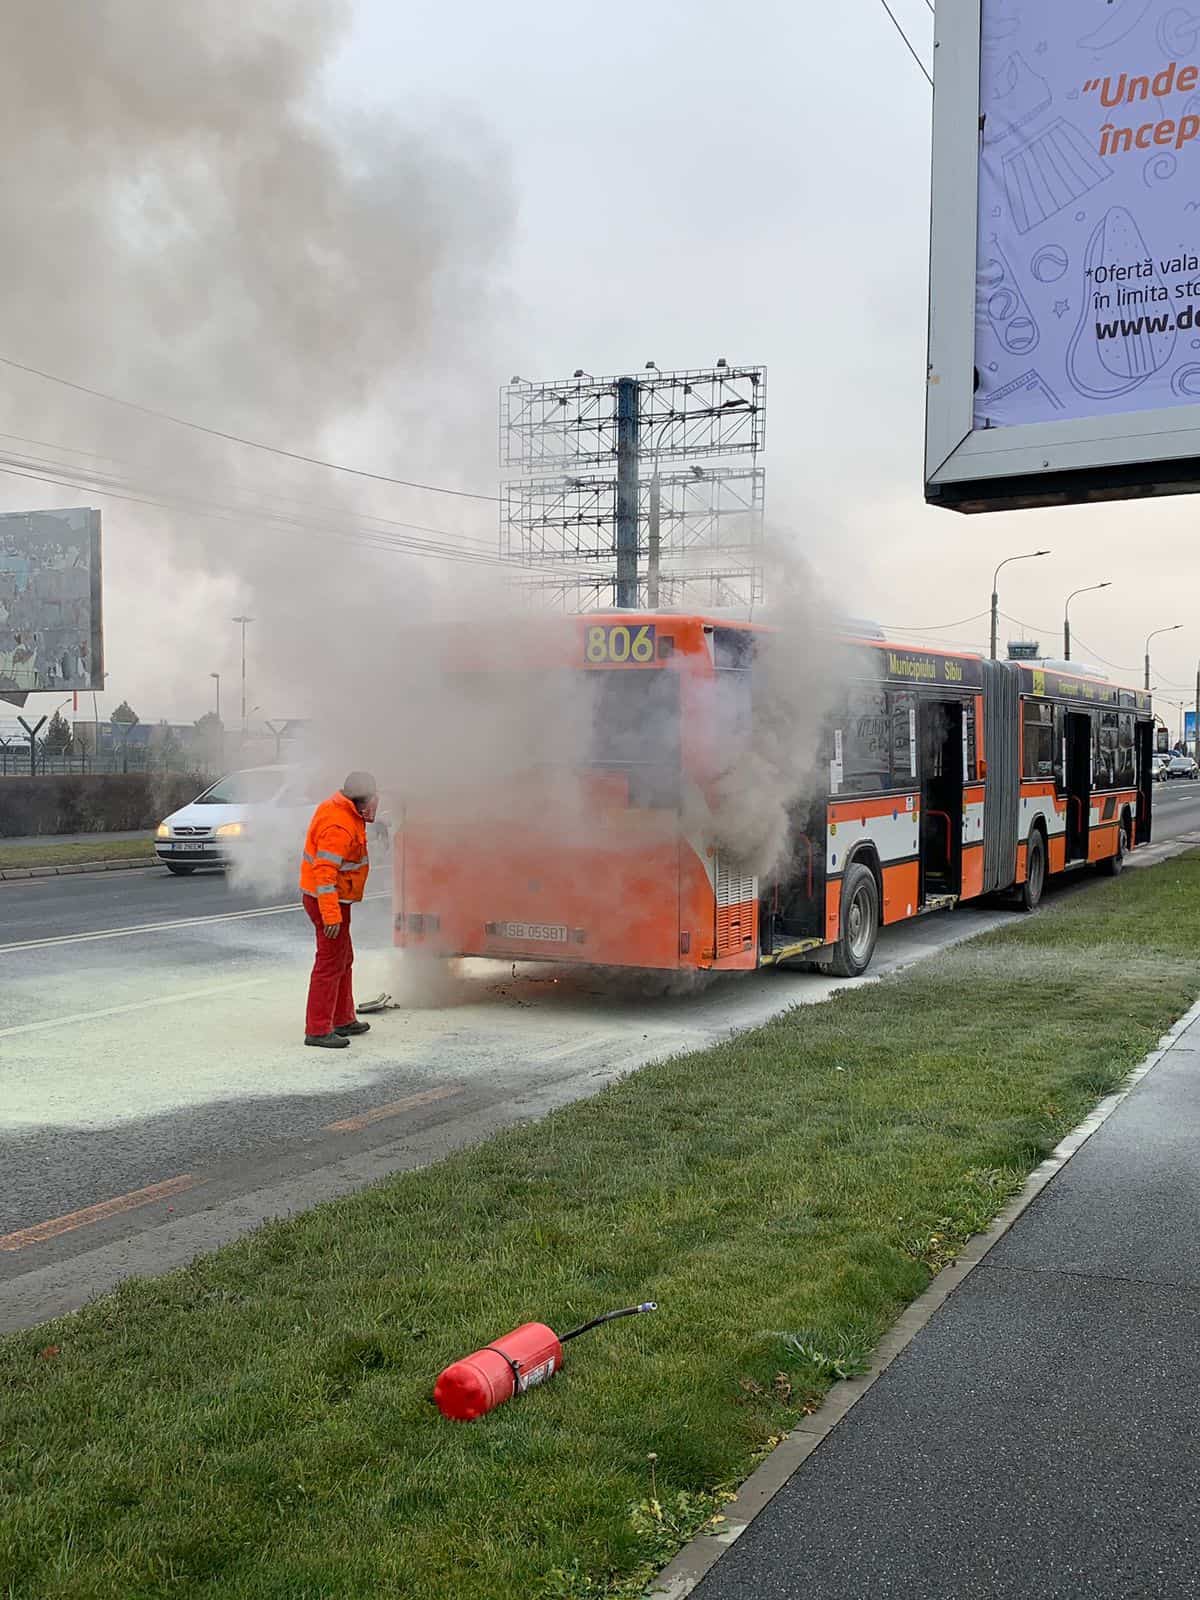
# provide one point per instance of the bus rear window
(635, 719)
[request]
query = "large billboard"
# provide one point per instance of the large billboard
(1065, 269)
(51, 624)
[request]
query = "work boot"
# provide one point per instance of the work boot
(326, 1041)
(349, 1029)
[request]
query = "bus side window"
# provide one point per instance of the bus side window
(1107, 747)
(866, 743)
(1127, 752)
(1039, 742)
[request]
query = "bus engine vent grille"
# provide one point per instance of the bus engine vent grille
(733, 889)
(736, 897)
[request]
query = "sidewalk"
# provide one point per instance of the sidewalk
(1039, 1434)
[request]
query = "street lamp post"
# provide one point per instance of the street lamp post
(243, 621)
(1174, 628)
(1091, 589)
(217, 676)
(1031, 556)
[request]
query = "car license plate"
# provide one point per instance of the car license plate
(535, 932)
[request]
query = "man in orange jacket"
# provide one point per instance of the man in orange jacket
(333, 875)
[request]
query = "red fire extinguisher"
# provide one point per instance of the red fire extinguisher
(527, 1356)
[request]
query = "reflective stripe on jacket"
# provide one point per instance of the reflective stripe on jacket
(334, 866)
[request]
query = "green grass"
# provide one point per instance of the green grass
(67, 855)
(259, 1426)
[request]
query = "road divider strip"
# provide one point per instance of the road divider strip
(67, 869)
(42, 1231)
(394, 1108)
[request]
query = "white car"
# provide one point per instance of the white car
(1158, 767)
(244, 807)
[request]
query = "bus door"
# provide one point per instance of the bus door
(1144, 747)
(940, 724)
(1077, 782)
(794, 907)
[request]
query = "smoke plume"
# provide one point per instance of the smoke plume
(195, 226)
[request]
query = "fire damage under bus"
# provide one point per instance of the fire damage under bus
(931, 778)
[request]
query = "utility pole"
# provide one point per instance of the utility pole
(243, 621)
(627, 492)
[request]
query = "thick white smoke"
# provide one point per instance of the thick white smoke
(192, 225)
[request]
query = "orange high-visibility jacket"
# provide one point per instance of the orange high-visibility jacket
(335, 866)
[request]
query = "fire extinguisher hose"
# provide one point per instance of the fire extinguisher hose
(609, 1316)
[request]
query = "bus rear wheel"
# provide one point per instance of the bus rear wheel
(860, 923)
(1113, 866)
(1029, 894)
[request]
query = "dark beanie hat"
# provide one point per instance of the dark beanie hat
(360, 786)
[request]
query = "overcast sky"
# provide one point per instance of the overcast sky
(609, 183)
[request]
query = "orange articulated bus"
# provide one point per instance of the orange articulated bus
(937, 778)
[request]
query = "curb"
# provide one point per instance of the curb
(697, 1558)
(133, 864)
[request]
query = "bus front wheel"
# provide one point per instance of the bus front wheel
(860, 923)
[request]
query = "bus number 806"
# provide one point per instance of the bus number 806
(620, 644)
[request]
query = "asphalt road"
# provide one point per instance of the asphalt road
(156, 1099)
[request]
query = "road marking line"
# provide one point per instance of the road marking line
(594, 1041)
(160, 927)
(107, 1208)
(394, 1109)
(134, 1005)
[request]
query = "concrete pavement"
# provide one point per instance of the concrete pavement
(150, 1035)
(1038, 1436)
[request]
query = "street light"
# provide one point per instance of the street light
(1174, 628)
(1091, 589)
(1032, 555)
(217, 676)
(243, 621)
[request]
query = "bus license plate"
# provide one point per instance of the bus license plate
(537, 932)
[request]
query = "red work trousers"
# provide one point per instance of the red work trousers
(330, 993)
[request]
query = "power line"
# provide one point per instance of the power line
(235, 438)
(369, 537)
(940, 627)
(93, 479)
(907, 42)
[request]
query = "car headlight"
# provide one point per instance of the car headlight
(163, 831)
(231, 830)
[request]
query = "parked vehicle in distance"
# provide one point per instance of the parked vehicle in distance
(1182, 767)
(209, 831)
(1159, 764)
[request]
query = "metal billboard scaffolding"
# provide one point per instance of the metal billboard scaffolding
(690, 535)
